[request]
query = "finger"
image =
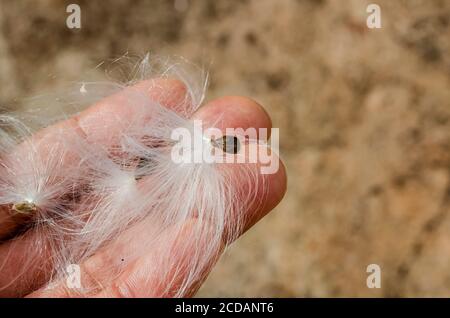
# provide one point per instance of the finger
(104, 122)
(7, 223)
(145, 276)
(101, 124)
(155, 273)
(25, 265)
(234, 112)
(268, 189)
(180, 272)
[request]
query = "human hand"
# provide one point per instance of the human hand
(100, 123)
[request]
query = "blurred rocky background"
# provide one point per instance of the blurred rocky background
(364, 117)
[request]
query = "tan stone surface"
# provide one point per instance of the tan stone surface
(364, 117)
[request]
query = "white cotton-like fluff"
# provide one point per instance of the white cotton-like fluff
(78, 198)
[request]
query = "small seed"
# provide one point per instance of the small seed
(229, 144)
(24, 208)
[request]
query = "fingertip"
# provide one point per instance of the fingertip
(235, 112)
(265, 187)
(262, 190)
(277, 183)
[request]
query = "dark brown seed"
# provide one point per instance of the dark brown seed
(229, 144)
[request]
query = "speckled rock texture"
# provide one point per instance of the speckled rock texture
(364, 118)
